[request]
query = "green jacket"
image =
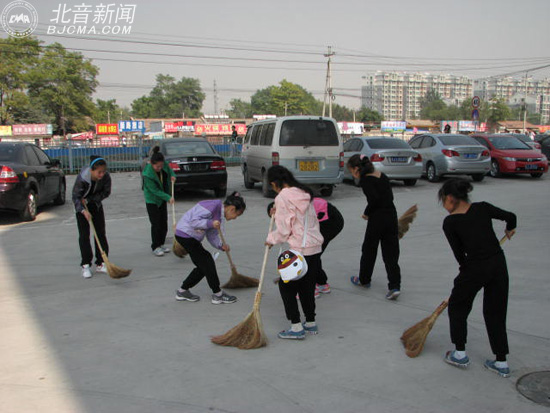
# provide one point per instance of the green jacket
(155, 192)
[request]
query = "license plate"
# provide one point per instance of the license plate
(401, 159)
(470, 155)
(308, 166)
(531, 167)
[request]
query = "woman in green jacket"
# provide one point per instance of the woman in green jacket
(157, 176)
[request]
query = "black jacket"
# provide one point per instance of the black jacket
(82, 185)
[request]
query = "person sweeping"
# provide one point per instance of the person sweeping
(469, 230)
(91, 187)
(157, 177)
(382, 226)
(204, 220)
(297, 224)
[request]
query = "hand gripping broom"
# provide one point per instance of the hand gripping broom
(414, 338)
(249, 334)
(177, 248)
(237, 280)
(113, 270)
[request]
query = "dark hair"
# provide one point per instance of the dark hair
(95, 161)
(280, 176)
(157, 155)
(236, 200)
(457, 187)
(361, 161)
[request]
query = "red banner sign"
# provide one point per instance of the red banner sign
(544, 128)
(106, 129)
(180, 126)
(219, 129)
(39, 129)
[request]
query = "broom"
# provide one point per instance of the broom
(237, 280)
(113, 270)
(405, 220)
(177, 248)
(414, 338)
(249, 334)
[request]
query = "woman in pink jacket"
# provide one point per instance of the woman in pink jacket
(292, 204)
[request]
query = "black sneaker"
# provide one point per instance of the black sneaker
(223, 299)
(186, 296)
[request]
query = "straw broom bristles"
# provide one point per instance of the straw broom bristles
(249, 334)
(405, 220)
(237, 280)
(177, 248)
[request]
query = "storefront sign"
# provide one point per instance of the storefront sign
(38, 129)
(131, 126)
(179, 126)
(219, 129)
(5, 130)
(106, 129)
(393, 126)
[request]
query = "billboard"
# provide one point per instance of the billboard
(37, 129)
(5, 130)
(131, 126)
(351, 128)
(393, 126)
(179, 126)
(106, 129)
(219, 129)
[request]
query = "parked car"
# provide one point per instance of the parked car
(392, 156)
(544, 141)
(29, 179)
(449, 154)
(309, 146)
(509, 155)
(525, 139)
(196, 164)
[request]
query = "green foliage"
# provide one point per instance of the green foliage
(107, 111)
(367, 115)
(433, 107)
(498, 110)
(239, 109)
(287, 98)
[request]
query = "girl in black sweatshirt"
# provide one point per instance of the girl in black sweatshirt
(470, 233)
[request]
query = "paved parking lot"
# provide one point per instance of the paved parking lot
(102, 345)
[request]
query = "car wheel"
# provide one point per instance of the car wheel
(248, 184)
(327, 190)
(478, 177)
(536, 175)
(495, 169)
(60, 200)
(29, 213)
(220, 192)
(432, 173)
(409, 182)
(266, 188)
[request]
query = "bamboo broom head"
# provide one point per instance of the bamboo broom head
(240, 281)
(116, 271)
(247, 335)
(415, 337)
(178, 249)
(406, 220)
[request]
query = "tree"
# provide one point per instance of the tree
(287, 98)
(107, 111)
(433, 107)
(240, 109)
(367, 115)
(498, 110)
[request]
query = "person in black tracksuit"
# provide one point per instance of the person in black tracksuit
(482, 264)
(382, 227)
(91, 187)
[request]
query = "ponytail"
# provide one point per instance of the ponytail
(236, 200)
(157, 156)
(457, 187)
(362, 162)
(280, 176)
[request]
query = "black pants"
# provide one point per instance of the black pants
(329, 230)
(205, 265)
(381, 229)
(492, 276)
(98, 219)
(305, 286)
(158, 216)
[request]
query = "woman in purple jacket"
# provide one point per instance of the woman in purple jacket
(204, 220)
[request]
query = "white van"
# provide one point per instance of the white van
(309, 146)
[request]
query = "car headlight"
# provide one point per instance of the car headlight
(506, 158)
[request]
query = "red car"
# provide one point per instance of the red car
(509, 155)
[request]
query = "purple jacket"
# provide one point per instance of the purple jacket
(197, 222)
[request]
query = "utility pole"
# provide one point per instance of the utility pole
(108, 116)
(286, 107)
(328, 84)
(215, 99)
(525, 104)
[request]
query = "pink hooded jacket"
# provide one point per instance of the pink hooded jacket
(291, 205)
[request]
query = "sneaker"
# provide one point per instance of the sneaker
(393, 294)
(223, 299)
(450, 359)
(86, 273)
(316, 294)
(292, 335)
(311, 330)
(323, 288)
(159, 252)
(165, 250)
(186, 296)
(501, 371)
(355, 281)
(102, 268)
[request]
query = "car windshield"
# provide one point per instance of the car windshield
(388, 143)
(187, 148)
(521, 137)
(8, 152)
(457, 140)
(508, 142)
(308, 132)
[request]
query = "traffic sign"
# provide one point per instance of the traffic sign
(476, 101)
(475, 114)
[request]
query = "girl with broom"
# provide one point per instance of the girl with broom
(482, 264)
(331, 223)
(91, 187)
(204, 220)
(382, 226)
(157, 176)
(292, 205)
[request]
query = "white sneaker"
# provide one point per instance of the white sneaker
(159, 252)
(101, 268)
(165, 250)
(86, 273)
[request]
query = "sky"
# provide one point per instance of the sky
(247, 45)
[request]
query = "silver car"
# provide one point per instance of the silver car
(392, 156)
(447, 154)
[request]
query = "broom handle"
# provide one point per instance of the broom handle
(91, 221)
(173, 210)
(227, 252)
(266, 253)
